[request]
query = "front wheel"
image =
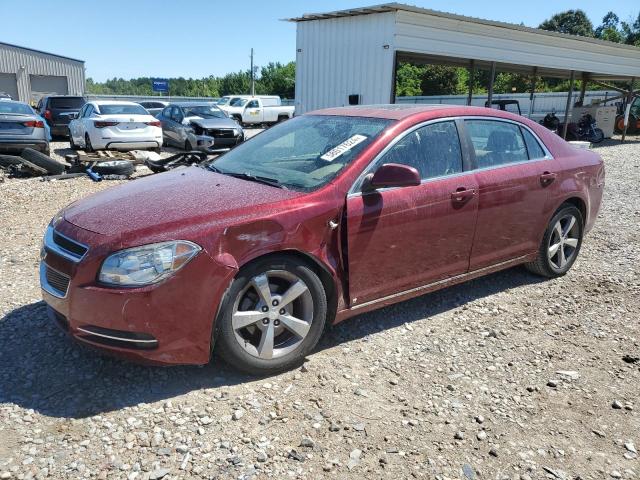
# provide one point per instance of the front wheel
(273, 315)
(561, 243)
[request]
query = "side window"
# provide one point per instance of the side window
(496, 143)
(533, 146)
(88, 111)
(176, 114)
(253, 104)
(81, 112)
(434, 150)
(166, 112)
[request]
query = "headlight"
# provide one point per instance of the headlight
(147, 264)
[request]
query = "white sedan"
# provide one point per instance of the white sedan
(116, 125)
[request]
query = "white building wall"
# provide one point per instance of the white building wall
(442, 35)
(24, 62)
(343, 56)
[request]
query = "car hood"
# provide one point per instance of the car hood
(213, 122)
(171, 202)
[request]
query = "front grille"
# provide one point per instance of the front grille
(56, 280)
(69, 245)
(221, 132)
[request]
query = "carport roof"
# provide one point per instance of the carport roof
(394, 7)
(598, 50)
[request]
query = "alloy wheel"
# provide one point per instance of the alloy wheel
(272, 315)
(563, 241)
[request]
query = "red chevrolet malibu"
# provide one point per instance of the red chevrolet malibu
(328, 215)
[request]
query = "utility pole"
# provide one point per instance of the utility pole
(253, 82)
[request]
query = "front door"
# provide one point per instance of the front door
(515, 176)
(400, 238)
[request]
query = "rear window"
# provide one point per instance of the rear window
(116, 109)
(15, 108)
(67, 102)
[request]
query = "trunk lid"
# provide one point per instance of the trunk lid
(16, 124)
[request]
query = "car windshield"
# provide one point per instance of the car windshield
(303, 153)
(67, 102)
(122, 109)
(238, 102)
(204, 111)
(15, 108)
(223, 101)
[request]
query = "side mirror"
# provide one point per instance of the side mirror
(394, 175)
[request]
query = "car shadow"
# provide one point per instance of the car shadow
(426, 306)
(42, 369)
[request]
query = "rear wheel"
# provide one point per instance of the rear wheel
(187, 146)
(72, 144)
(87, 143)
(272, 316)
(631, 128)
(561, 243)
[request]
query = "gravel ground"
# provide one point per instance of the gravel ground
(506, 377)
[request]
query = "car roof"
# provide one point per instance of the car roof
(113, 102)
(401, 111)
(192, 104)
(16, 101)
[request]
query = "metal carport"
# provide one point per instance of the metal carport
(350, 56)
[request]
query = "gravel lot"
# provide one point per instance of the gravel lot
(506, 377)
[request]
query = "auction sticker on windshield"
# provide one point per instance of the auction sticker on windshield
(345, 146)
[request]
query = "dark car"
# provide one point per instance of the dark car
(199, 126)
(58, 111)
(326, 216)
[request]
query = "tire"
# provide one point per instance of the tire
(7, 161)
(187, 146)
(42, 160)
(551, 265)
(87, 143)
(598, 135)
(115, 167)
(72, 144)
(631, 128)
(242, 343)
(282, 118)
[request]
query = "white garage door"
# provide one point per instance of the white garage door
(42, 85)
(8, 84)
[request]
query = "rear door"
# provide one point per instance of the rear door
(515, 176)
(402, 238)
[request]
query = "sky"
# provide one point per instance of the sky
(198, 38)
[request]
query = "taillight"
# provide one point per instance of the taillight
(153, 124)
(102, 124)
(34, 124)
(47, 114)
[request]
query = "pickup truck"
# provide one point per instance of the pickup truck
(254, 111)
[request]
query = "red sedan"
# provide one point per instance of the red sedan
(322, 217)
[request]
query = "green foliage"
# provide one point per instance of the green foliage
(275, 79)
(409, 80)
(573, 22)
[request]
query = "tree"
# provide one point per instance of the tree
(442, 80)
(631, 32)
(409, 80)
(573, 22)
(277, 79)
(608, 29)
(235, 83)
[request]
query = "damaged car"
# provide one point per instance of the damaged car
(199, 126)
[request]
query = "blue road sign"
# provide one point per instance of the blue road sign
(159, 85)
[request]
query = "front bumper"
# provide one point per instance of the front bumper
(169, 323)
(210, 144)
(17, 145)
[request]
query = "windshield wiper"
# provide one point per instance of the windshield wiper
(256, 178)
(248, 176)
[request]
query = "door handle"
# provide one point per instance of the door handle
(462, 195)
(547, 178)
